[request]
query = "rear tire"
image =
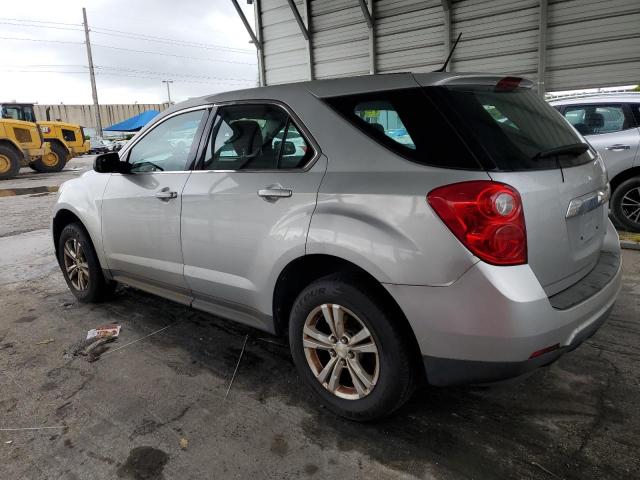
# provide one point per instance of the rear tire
(625, 204)
(53, 162)
(80, 266)
(9, 162)
(372, 380)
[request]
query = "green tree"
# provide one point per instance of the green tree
(637, 89)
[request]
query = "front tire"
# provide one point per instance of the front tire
(349, 348)
(625, 204)
(80, 266)
(9, 162)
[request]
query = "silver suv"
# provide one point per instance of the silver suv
(398, 228)
(611, 123)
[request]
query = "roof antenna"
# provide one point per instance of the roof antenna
(446, 62)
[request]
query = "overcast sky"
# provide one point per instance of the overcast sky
(32, 71)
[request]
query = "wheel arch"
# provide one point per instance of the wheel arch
(60, 143)
(303, 270)
(64, 217)
(623, 176)
(7, 142)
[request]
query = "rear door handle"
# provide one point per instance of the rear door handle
(273, 193)
(618, 147)
(166, 194)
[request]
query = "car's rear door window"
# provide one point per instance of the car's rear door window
(598, 119)
(382, 116)
(255, 137)
(407, 123)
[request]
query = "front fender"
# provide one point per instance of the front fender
(83, 198)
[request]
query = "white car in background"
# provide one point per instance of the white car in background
(611, 124)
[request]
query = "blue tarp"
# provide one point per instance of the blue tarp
(133, 124)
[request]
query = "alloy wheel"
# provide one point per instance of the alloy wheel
(341, 352)
(631, 205)
(75, 264)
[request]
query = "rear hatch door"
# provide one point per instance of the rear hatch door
(525, 143)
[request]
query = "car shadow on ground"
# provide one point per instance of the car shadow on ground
(555, 423)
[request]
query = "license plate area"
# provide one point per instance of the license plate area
(588, 225)
(586, 231)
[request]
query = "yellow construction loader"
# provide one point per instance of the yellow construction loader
(62, 141)
(21, 144)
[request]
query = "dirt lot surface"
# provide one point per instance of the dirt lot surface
(157, 403)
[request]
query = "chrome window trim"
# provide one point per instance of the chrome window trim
(296, 120)
(125, 151)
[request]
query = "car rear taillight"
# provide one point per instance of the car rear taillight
(487, 217)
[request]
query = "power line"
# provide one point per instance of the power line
(131, 35)
(171, 41)
(40, 26)
(43, 65)
(172, 55)
(157, 77)
(128, 50)
(40, 21)
(42, 40)
(172, 74)
(127, 70)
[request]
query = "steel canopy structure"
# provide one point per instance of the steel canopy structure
(560, 44)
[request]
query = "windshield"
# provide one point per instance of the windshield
(516, 129)
(18, 112)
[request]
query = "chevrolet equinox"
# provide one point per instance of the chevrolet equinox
(398, 228)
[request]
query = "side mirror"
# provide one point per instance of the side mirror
(289, 148)
(109, 163)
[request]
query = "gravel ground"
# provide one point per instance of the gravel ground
(158, 408)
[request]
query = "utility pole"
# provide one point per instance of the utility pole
(92, 75)
(168, 89)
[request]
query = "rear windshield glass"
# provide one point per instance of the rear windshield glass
(512, 128)
(463, 127)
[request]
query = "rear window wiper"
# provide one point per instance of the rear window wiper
(574, 149)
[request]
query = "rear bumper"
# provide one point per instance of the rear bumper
(485, 326)
(450, 372)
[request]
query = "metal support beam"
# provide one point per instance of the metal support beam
(257, 12)
(296, 15)
(254, 39)
(367, 14)
(542, 46)
(307, 11)
(446, 11)
(369, 17)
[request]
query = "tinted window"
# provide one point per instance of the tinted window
(166, 148)
(382, 116)
(508, 129)
(597, 119)
(406, 122)
(255, 137)
(635, 110)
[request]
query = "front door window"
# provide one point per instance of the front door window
(167, 147)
